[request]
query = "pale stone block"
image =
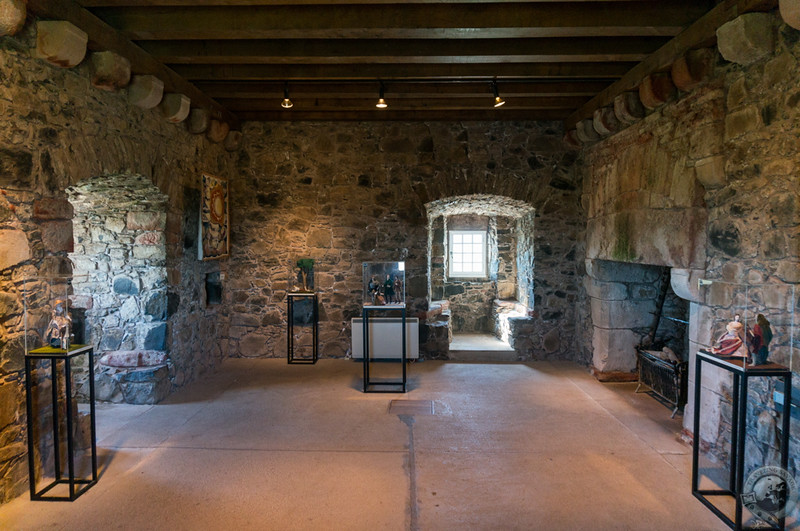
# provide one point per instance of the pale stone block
(656, 90)
(233, 141)
(605, 121)
(146, 220)
(585, 131)
(710, 172)
(175, 107)
(14, 248)
(614, 350)
(684, 283)
(743, 121)
(110, 71)
(12, 16)
(145, 91)
(622, 313)
(628, 107)
(199, 120)
(60, 43)
(149, 252)
(608, 291)
(217, 131)
(747, 38)
(790, 12)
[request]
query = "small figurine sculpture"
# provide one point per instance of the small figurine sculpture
(760, 339)
(305, 268)
(58, 329)
(375, 292)
(732, 343)
(388, 289)
(398, 290)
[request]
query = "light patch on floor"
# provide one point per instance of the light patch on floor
(411, 407)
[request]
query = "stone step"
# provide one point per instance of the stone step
(490, 356)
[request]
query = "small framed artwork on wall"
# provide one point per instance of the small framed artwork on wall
(214, 218)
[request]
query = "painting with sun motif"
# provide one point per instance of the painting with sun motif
(214, 225)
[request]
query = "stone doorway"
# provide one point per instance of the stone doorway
(121, 284)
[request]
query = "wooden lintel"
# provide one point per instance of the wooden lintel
(701, 33)
(104, 37)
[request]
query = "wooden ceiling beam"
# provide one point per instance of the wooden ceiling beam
(236, 72)
(475, 115)
(701, 33)
(367, 102)
(187, 3)
(402, 20)
(391, 51)
(104, 37)
(259, 90)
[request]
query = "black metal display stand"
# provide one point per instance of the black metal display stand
(383, 385)
(60, 357)
(741, 375)
(291, 299)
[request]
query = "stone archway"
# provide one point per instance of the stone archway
(509, 226)
(120, 269)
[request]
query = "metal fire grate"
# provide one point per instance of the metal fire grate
(411, 407)
(666, 379)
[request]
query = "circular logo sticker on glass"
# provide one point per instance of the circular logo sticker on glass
(770, 493)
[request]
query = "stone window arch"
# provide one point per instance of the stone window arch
(119, 263)
(509, 225)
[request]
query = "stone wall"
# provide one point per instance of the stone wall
(347, 193)
(707, 184)
(58, 130)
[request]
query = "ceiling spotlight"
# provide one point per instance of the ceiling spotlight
(498, 101)
(286, 103)
(381, 102)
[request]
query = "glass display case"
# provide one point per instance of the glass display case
(301, 276)
(53, 314)
(744, 404)
(384, 284)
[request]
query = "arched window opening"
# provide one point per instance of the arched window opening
(480, 263)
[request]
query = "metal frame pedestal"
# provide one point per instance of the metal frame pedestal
(741, 375)
(290, 300)
(56, 356)
(383, 386)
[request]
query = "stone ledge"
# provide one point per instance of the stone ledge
(133, 358)
(614, 376)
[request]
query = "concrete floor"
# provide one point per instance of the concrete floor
(265, 445)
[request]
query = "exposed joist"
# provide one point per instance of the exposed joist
(565, 103)
(104, 37)
(404, 21)
(412, 89)
(402, 71)
(701, 33)
(475, 115)
(392, 51)
(172, 3)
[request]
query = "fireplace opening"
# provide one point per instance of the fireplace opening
(640, 328)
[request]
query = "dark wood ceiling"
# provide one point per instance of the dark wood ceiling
(436, 59)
